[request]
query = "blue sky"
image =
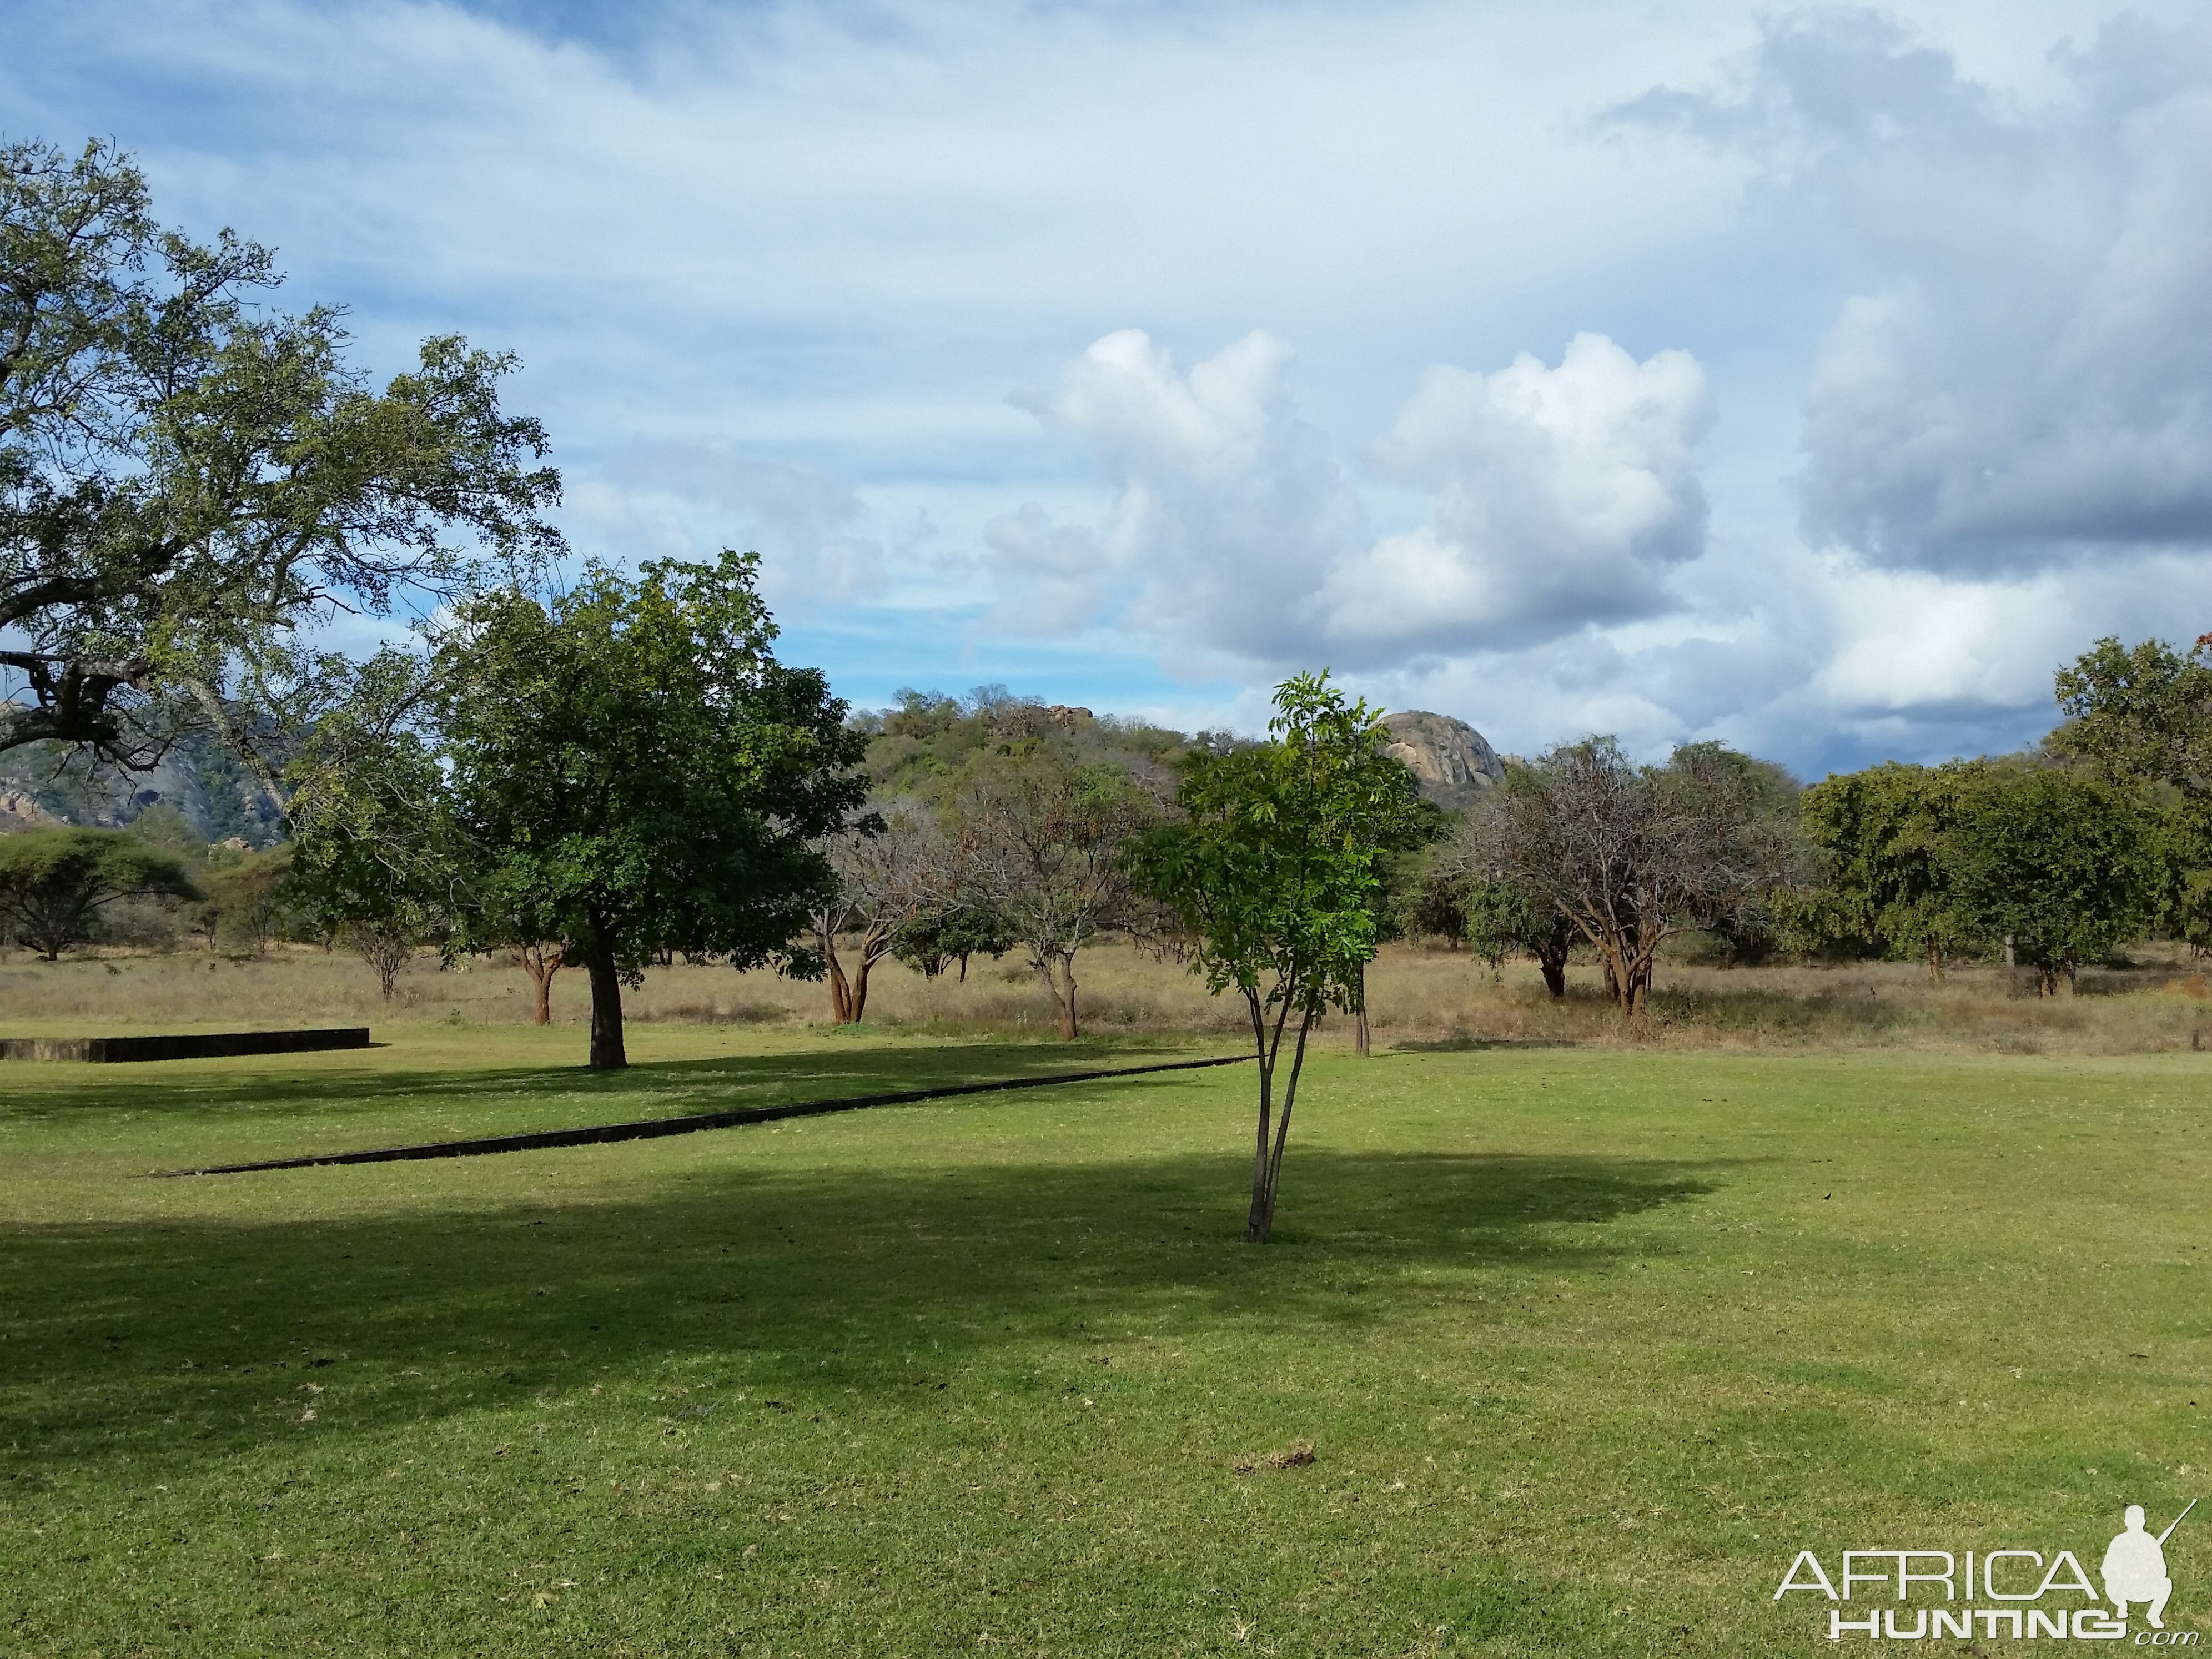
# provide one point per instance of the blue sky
(1815, 380)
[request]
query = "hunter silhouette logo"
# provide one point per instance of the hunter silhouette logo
(2134, 1568)
(2031, 1594)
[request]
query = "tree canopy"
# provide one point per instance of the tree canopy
(633, 769)
(190, 479)
(2140, 715)
(55, 883)
(2064, 865)
(1887, 834)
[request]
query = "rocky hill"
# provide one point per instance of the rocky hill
(42, 785)
(19, 811)
(1454, 762)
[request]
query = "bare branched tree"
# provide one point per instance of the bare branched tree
(1631, 856)
(385, 946)
(1042, 844)
(895, 862)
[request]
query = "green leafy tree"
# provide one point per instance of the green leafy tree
(2140, 718)
(1887, 832)
(2140, 714)
(55, 883)
(1495, 915)
(249, 900)
(1503, 920)
(190, 479)
(633, 769)
(1272, 870)
(2063, 864)
(944, 935)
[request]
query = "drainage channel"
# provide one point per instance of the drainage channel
(651, 1128)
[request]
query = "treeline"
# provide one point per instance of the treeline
(989, 823)
(2100, 837)
(154, 885)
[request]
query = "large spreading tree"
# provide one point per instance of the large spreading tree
(1272, 870)
(635, 772)
(190, 479)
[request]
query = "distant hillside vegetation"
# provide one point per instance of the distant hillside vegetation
(924, 742)
(919, 746)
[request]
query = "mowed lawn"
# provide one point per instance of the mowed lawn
(1588, 1346)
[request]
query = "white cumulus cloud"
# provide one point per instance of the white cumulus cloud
(1561, 497)
(1228, 508)
(1556, 497)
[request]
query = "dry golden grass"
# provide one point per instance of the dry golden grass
(1418, 995)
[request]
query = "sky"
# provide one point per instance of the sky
(1815, 380)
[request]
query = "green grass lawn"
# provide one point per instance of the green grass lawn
(1587, 1345)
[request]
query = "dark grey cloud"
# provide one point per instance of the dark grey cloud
(2024, 376)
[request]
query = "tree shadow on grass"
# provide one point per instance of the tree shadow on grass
(812, 1285)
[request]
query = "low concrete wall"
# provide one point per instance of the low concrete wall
(212, 1046)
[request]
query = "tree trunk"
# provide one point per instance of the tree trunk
(1552, 959)
(963, 967)
(1935, 962)
(541, 963)
(1261, 1216)
(840, 991)
(875, 945)
(1067, 1032)
(1359, 1025)
(607, 1054)
(1269, 1176)
(1057, 968)
(1624, 973)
